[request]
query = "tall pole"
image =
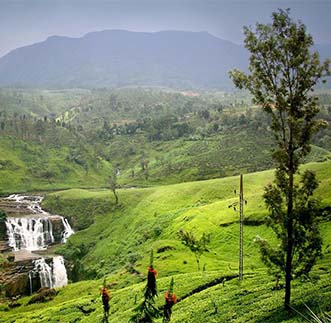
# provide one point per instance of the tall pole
(241, 247)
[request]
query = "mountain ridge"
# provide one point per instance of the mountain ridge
(117, 57)
(113, 58)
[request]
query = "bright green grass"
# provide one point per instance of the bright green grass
(254, 300)
(150, 218)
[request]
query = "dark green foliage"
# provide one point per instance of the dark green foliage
(307, 244)
(198, 247)
(283, 72)
(74, 255)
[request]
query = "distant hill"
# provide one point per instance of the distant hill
(117, 58)
(114, 58)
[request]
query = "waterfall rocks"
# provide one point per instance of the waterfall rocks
(37, 229)
(38, 232)
(30, 230)
(15, 278)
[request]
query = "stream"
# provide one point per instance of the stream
(31, 231)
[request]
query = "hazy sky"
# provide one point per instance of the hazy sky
(24, 22)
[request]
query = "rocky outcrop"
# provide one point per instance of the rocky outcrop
(4, 247)
(58, 228)
(18, 284)
(15, 278)
(43, 295)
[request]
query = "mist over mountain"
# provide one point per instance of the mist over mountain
(114, 58)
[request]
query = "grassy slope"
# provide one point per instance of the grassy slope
(225, 154)
(150, 218)
(21, 166)
(252, 301)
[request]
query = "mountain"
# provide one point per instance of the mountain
(114, 58)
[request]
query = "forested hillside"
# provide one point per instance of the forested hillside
(148, 137)
(75, 139)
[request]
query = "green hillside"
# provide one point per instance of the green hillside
(70, 139)
(115, 241)
(29, 166)
(39, 103)
(155, 137)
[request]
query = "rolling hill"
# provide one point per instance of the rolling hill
(151, 218)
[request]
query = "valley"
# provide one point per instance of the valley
(151, 217)
(176, 160)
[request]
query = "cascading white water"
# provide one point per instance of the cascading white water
(45, 272)
(33, 233)
(60, 278)
(29, 233)
(32, 203)
(53, 275)
(67, 230)
(30, 282)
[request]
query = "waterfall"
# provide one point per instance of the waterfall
(67, 230)
(33, 232)
(51, 275)
(29, 233)
(59, 272)
(45, 272)
(31, 203)
(30, 282)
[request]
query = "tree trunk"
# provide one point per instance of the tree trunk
(289, 249)
(288, 268)
(198, 262)
(116, 197)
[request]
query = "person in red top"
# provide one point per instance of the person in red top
(170, 301)
(151, 290)
(105, 296)
(152, 270)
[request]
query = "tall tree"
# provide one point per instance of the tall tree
(283, 72)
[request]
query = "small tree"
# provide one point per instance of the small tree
(146, 312)
(113, 185)
(283, 72)
(198, 247)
